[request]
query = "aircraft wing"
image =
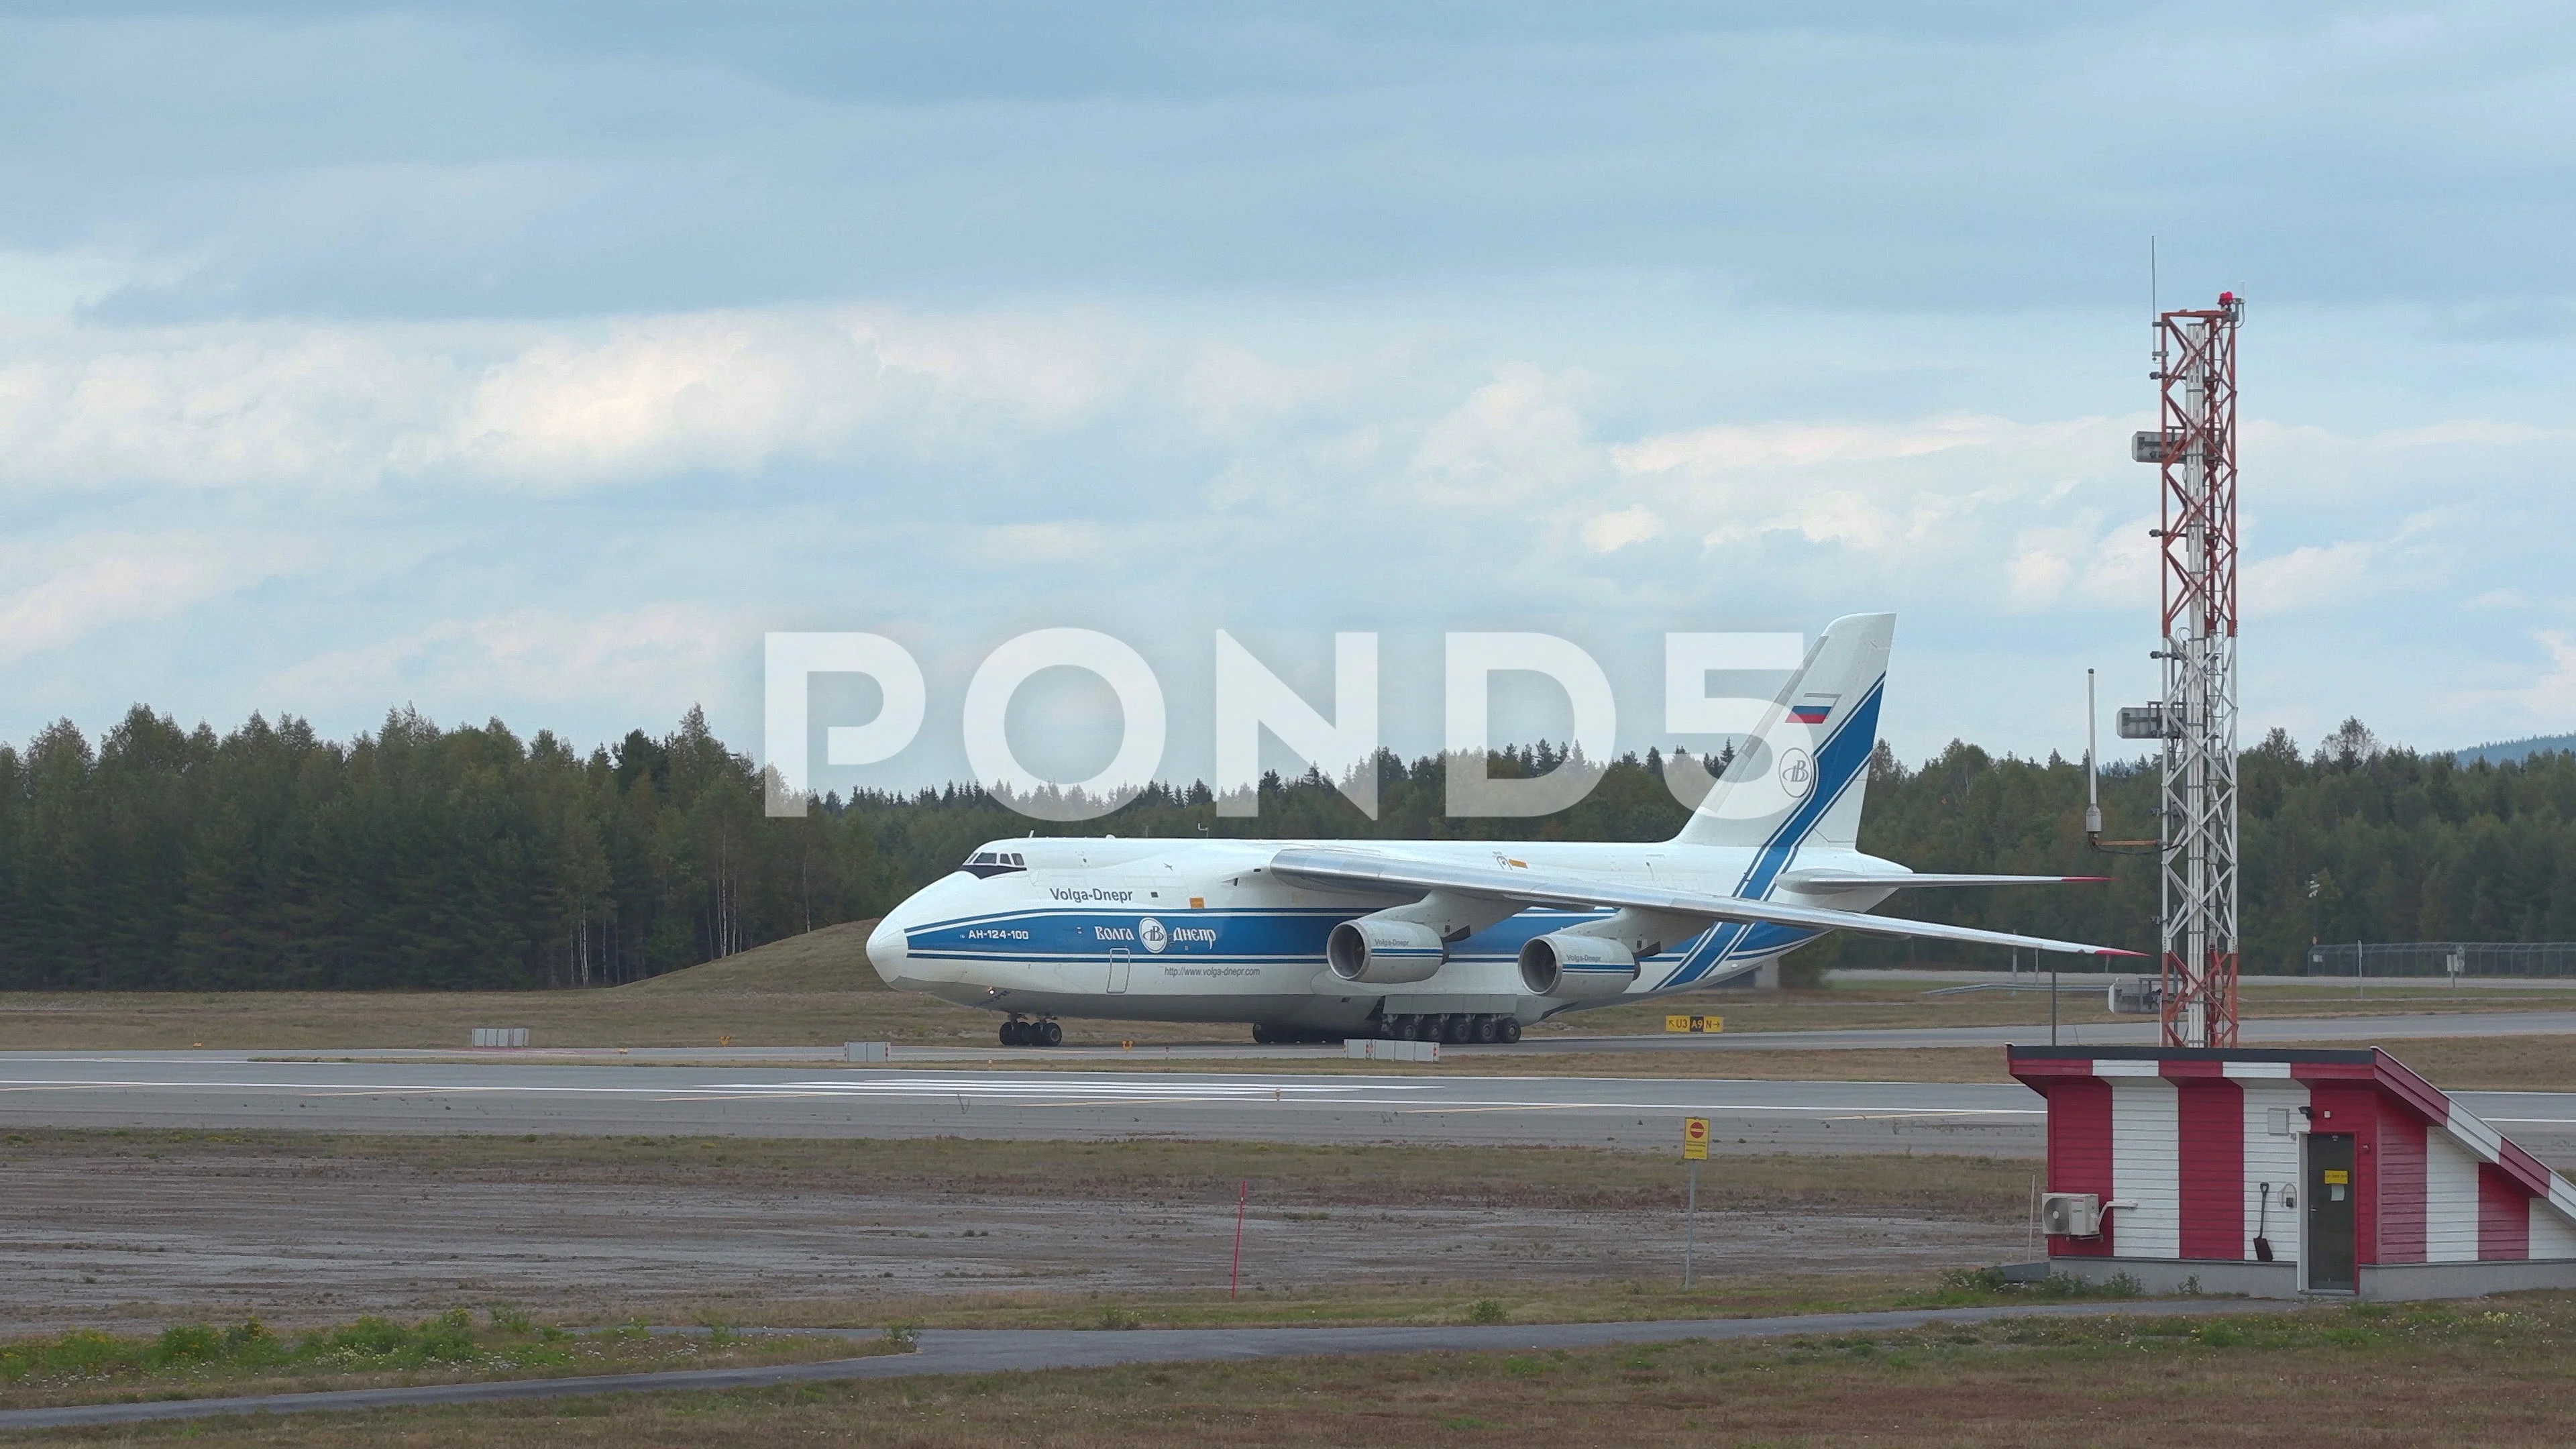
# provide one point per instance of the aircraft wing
(1846, 880)
(1375, 870)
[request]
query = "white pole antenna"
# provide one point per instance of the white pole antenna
(2092, 775)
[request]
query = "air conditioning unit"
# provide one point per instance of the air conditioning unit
(2071, 1214)
(2136, 996)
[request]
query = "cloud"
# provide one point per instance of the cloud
(656, 659)
(2084, 564)
(551, 408)
(2314, 577)
(57, 283)
(92, 583)
(1611, 532)
(2039, 577)
(1512, 440)
(214, 409)
(1941, 497)
(2476, 432)
(1704, 451)
(1232, 389)
(1047, 543)
(2548, 702)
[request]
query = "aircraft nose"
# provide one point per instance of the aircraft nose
(886, 949)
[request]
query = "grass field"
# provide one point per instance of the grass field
(1144, 1171)
(195, 1360)
(817, 989)
(2490, 1373)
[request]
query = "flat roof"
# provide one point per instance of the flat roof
(2346, 1056)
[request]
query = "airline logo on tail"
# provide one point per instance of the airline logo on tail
(1797, 774)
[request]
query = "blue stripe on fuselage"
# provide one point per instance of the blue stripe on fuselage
(1240, 934)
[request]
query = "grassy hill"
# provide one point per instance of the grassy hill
(833, 958)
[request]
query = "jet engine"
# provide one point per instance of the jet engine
(1564, 964)
(1380, 952)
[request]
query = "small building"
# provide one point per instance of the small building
(2283, 1173)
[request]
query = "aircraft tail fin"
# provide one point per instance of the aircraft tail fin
(1800, 775)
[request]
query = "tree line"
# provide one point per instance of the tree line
(417, 856)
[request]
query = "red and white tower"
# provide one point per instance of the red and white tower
(2196, 720)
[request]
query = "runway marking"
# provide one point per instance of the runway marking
(740, 1096)
(1900, 1116)
(1140, 1102)
(1050, 1094)
(1515, 1107)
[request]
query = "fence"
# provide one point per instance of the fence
(2442, 958)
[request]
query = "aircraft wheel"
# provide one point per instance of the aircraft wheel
(1010, 1033)
(1260, 1034)
(1050, 1034)
(1484, 1030)
(1507, 1030)
(1456, 1029)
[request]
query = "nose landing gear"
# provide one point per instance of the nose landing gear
(1018, 1033)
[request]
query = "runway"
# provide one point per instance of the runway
(225, 1091)
(2261, 1031)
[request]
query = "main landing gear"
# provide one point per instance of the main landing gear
(1018, 1033)
(1457, 1028)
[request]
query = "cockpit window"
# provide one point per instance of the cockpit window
(989, 863)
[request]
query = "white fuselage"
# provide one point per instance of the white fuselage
(1201, 931)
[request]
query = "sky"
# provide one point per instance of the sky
(533, 361)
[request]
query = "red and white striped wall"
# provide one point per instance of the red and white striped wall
(2204, 1142)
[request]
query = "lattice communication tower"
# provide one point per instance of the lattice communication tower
(2196, 720)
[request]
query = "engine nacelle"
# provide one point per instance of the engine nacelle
(1382, 952)
(1565, 964)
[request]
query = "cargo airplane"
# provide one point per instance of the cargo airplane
(1457, 941)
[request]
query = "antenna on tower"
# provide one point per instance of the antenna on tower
(2092, 772)
(2194, 723)
(2093, 781)
(2155, 313)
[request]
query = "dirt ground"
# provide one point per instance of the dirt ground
(135, 1230)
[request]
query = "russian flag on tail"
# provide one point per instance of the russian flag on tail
(1813, 709)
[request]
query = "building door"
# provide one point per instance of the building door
(2326, 1248)
(1117, 968)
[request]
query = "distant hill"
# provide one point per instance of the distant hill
(2506, 752)
(833, 958)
